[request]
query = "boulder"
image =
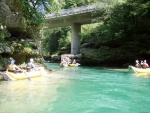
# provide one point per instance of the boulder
(7, 49)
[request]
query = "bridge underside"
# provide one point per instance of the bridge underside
(83, 18)
(75, 21)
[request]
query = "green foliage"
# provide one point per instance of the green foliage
(64, 42)
(4, 33)
(75, 3)
(25, 44)
(53, 41)
(87, 31)
(30, 12)
(58, 39)
(119, 22)
(1, 35)
(139, 14)
(122, 21)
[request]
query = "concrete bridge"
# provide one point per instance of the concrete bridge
(75, 17)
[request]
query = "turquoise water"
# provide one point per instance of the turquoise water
(78, 90)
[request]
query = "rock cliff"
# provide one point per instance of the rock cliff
(17, 39)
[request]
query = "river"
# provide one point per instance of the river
(78, 90)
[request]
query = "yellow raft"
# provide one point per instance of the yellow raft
(139, 70)
(24, 75)
(74, 65)
(70, 65)
(21, 76)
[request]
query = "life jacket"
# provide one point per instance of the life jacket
(11, 67)
(144, 65)
(29, 66)
(138, 65)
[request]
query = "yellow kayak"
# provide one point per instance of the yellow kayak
(139, 70)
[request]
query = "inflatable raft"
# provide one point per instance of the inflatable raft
(23, 75)
(139, 70)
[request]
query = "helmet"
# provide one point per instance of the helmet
(12, 61)
(137, 61)
(31, 60)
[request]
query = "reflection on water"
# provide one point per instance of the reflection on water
(144, 75)
(28, 96)
(77, 90)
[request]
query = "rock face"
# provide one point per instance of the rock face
(8, 17)
(102, 57)
(17, 40)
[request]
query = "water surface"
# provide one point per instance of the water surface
(78, 90)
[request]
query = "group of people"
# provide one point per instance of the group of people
(12, 67)
(67, 61)
(142, 64)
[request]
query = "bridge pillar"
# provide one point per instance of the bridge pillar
(75, 38)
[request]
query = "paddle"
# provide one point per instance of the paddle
(133, 69)
(26, 75)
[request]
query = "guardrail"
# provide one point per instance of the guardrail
(77, 10)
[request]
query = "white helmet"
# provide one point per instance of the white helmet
(31, 60)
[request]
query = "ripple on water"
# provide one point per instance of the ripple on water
(78, 90)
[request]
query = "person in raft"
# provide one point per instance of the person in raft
(63, 62)
(30, 66)
(68, 60)
(74, 61)
(12, 67)
(137, 64)
(144, 64)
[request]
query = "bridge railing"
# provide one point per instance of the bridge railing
(77, 10)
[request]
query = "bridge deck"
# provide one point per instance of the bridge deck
(77, 10)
